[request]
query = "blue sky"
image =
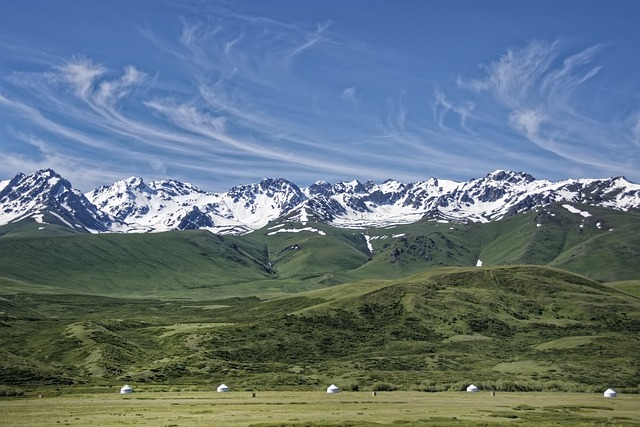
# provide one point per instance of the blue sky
(221, 93)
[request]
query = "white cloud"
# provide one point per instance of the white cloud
(111, 90)
(634, 121)
(442, 107)
(82, 172)
(34, 116)
(252, 95)
(527, 122)
(312, 39)
(81, 73)
(229, 45)
(537, 88)
(397, 114)
(349, 94)
(189, 118)
(188, 33)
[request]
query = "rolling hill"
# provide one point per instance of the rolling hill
(505, 328)
(288, 256)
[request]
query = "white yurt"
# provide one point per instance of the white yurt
(222, 388)
(472, 389)
(610, 393)
(333, 389)
(126, 389)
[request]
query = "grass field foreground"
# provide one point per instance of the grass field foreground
(320, 409)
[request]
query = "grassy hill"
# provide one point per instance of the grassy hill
(275, 260)
(507, 328)
(603, 246)
(174, 264)
(293, 306)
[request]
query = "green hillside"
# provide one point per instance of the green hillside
(173, 264)
(603, 246)
(508, 328)
(275, 260)
(293, 306)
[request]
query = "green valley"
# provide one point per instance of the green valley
(284, 308)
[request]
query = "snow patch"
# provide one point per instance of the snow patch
(297, 230)
(304, 216)
(369, 245)
(67, 223)
(576, 211)
(39, 218)
(395, 236)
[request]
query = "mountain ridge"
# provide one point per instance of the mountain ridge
(133, 206)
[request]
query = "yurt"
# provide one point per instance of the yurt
(610, 393)
(126, 389)
(472, 389)
(333, 389)
(222, 388)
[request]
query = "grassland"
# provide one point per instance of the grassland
(298, 311)
(316, 409)
(201, 266)
(520, 328)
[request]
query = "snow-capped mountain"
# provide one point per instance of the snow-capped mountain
(47, 197)
(131, 205)
(169, 205)
(497, 195)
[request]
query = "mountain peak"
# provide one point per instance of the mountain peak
(42, 174)
(510, 176)
(133, 205)
(45, 192)
(134, 181)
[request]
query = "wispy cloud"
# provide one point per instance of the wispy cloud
(85, 173)
(81, 74)
(634, 125)
(311, 40)
(397, 114)
(349, 94)
(442, 107)
(540, 90)
(225, 96)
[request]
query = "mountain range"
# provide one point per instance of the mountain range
(134, 206)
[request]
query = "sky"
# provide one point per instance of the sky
(223, 93)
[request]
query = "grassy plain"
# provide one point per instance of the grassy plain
(270, 409)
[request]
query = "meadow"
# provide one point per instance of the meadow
(175, 314)
(509, 329)
(288, 408)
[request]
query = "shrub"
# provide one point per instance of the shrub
(352, 387)
(384, 387)
(10, 391)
